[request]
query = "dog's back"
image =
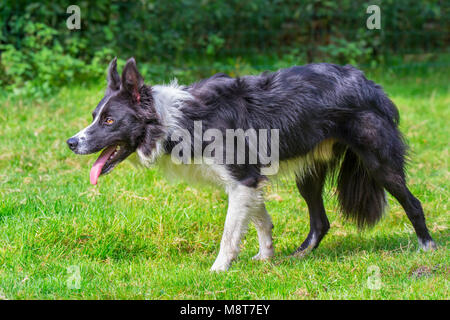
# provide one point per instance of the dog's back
(307, 104)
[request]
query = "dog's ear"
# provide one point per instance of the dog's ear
(113, 76)
(132, 81)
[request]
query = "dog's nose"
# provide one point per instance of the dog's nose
(72, 143)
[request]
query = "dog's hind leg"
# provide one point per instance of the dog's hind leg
(243, 203)
(311, 187)
(394, 182)
(379, 155)
(263, 223)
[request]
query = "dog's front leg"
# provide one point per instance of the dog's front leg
(242, 203)
(263, 224)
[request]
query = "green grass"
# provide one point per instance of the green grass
(137, 236)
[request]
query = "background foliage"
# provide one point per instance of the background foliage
(39, 54)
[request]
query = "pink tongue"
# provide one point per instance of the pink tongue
(98, 165)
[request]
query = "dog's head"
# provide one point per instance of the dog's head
(124, 121)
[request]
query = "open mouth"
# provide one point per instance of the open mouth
(107, 160)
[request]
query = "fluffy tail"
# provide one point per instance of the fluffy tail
(361, 199)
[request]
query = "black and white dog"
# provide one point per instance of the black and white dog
(326, 118)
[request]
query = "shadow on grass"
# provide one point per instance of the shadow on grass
(358, 243)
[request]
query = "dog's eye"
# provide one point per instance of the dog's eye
(109, 121)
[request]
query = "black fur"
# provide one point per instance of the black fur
(361, 198)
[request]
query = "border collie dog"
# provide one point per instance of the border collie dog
(330, 121)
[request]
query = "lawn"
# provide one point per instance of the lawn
(138, 236)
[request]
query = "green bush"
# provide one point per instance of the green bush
(39, 54)
(43, 64)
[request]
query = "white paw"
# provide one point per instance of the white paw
(428, 245)
(220, 267)
(222, 263)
